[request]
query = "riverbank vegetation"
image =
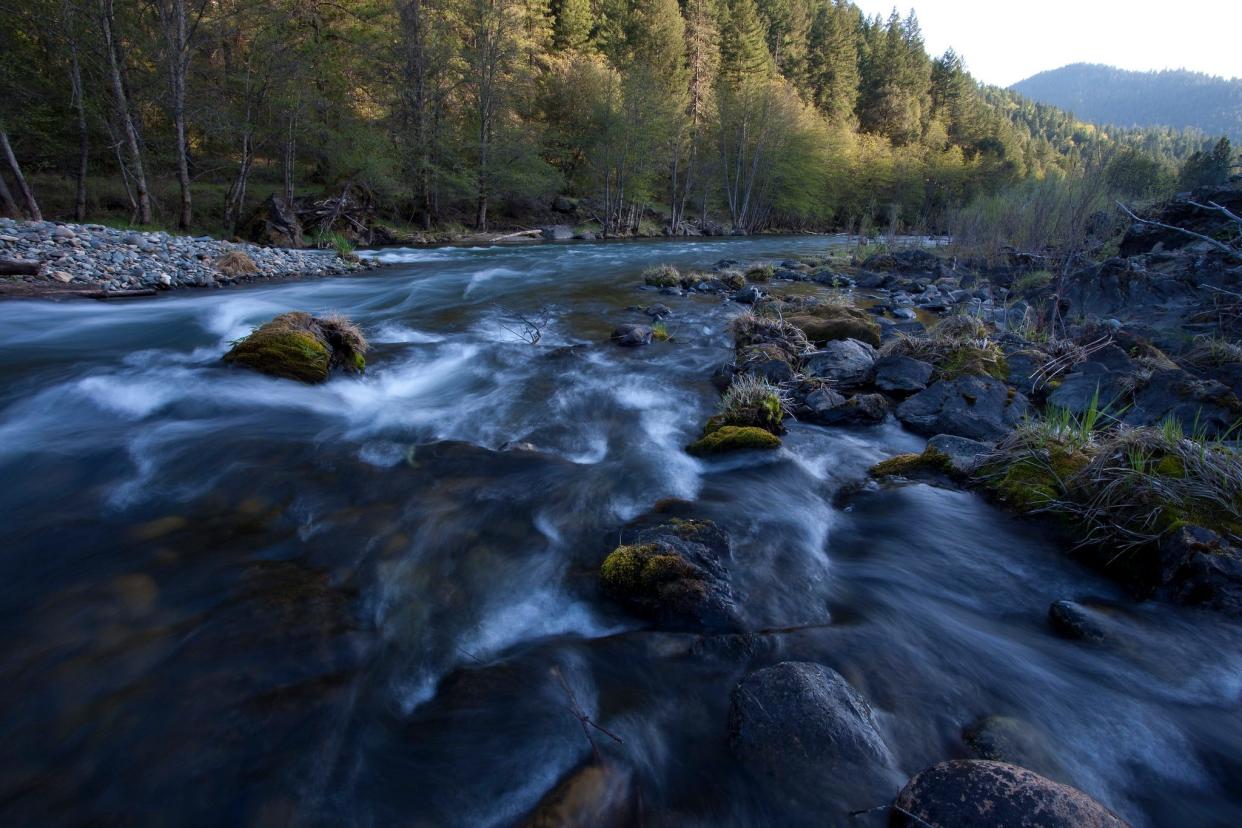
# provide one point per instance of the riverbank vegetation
(611, 117)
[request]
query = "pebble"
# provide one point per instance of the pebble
(124, 260)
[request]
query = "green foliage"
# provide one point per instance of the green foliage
(335, 241)
(1207, 167)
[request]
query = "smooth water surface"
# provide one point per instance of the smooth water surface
(229, 599)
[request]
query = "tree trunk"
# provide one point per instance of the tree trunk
(176, 35)
(236, 197)
(79, 107)
(32, 206)
(7, 204)
(106, 18)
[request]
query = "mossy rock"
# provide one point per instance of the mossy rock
(732, 279)
(1035, 481)
(300, 347)
(826, 323)
(761, 274)
(726, 438)
(289, 346)
(662, 276)
(908, 465)
(640, 570)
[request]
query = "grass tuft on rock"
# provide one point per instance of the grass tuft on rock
(663, 275)
(959, 346)
(301, 347)
(753, 401)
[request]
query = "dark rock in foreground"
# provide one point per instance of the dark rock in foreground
(802, 725)
(631, 336)
(985, 794)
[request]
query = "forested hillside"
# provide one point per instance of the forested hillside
(740, 114)
(1172, 98)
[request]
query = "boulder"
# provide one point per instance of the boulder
(674, 574)
(631, 336)
(977, 407)
(902, 374)
(1200, 568)
(846, 363)
(1091, 384)
(556, 232)
(802, 726)
(827, 407)
(1202, 405)
(977, 793)
(299, 346)
(748, 295)
(766, 360)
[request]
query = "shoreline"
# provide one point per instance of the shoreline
(60, 260)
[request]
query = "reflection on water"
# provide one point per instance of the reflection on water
(232, 599)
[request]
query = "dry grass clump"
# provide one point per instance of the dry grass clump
(1215, 352)
(236, 263)
(349, 346)
(753, 401)
(663, 275)
(755, 329)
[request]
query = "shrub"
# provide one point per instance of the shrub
(659, 332)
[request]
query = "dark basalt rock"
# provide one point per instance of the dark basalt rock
(802, 726)
(977, 407)
(985, 794)
(1204, 405)
(1200, 568)
(902, 374)
(827, 407)
(846, 363)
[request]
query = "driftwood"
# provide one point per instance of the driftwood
(120, 294)
(1219, 245)
(17, 267)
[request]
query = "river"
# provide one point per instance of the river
(235, 600)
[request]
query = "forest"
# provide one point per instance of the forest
(646, 116)
(1106, 95)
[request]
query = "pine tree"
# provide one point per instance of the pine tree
(831, 76)
(572, 29)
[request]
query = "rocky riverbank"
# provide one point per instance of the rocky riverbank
(54, 259)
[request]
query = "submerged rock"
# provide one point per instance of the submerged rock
(302, 347)
(803, 724)
(597, 794)
(1006, 739)
(631, 336)
(829, 323)
(1072, 620)
(984, 794)
(827, 407)
(964, 456)
(673, 573)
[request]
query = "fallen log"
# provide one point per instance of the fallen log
(18, 267)
(120, 294)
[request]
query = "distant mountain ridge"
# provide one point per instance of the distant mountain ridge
(1173, 97)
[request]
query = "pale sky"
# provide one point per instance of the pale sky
(1005, 41)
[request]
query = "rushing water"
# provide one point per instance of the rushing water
(228, 599)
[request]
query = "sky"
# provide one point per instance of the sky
(1005, 41)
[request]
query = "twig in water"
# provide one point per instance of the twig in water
(531, 327)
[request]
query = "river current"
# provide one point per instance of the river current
(229, 599)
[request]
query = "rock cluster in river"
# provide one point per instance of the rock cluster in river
(91, 255)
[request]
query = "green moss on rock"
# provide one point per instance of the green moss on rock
(638, 571)
(826, 323)
(972, 360)
(289, 346)
(725, 438)
(301, 347)
(905, 465)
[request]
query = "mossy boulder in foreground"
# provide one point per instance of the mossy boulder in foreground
(733, 438)
(301, 347)
(827, 323)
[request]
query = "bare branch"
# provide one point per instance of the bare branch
(1212, 205)
(1219, 245)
